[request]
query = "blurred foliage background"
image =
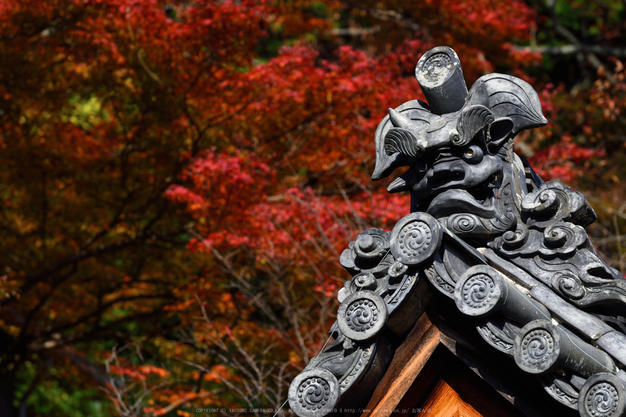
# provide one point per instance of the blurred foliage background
(179, 177)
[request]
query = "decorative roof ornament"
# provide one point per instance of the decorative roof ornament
(507, 249)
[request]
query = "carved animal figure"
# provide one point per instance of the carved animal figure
(463, 171)
(463, 162)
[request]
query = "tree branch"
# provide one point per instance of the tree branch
(575, 48)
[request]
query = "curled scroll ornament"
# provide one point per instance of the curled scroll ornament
(397, 269)
(568, 285)
(563, 237)
(364, 280)
(512, 240)
(463, 223)
(553, 202)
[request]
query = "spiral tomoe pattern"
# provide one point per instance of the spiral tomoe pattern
(478, 290)
(414, 238)
(602, 395)
(362, 315)
(538, 348)
(602, 400)
(314, 393)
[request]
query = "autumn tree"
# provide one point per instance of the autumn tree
(180, 177)
(103, 106)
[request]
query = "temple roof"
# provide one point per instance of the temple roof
(440, 351)
(492, 267)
